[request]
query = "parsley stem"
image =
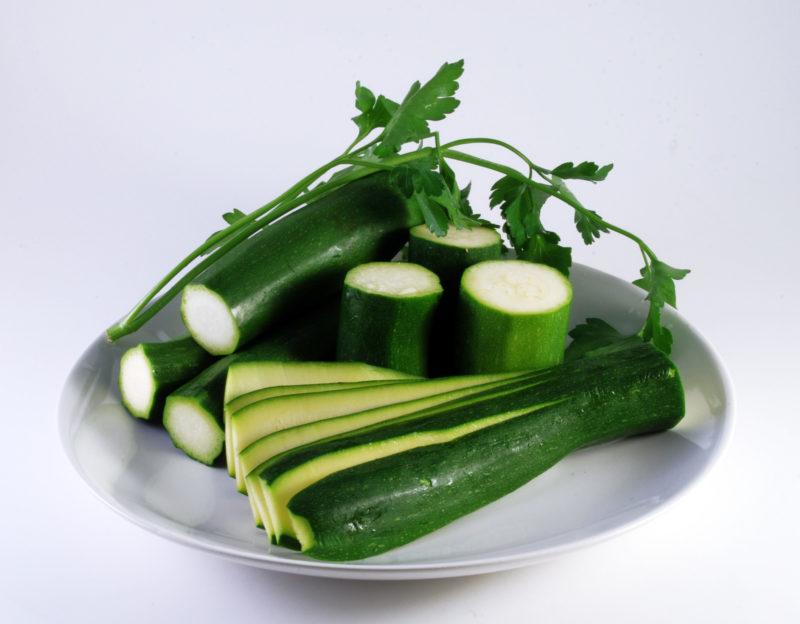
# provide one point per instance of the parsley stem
(489, 141)
(550, 190)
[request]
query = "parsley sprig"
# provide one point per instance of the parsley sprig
(424, 176)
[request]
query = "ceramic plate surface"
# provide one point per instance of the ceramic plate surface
(592, 495)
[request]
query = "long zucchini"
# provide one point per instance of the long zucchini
(149, 371)
(193, 414)
(513, 315)
(295, 262)
(360, 494)
(387, 309)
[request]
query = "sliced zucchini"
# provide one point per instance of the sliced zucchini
(363, 493)
(253, 457)
(149, 371)
(265, 417)
(513, 315)
(387, 308)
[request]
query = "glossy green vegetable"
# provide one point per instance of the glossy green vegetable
(149, 371)
(387, 310)
(295, 263)
(363, 493)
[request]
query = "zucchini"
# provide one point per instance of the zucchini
(260, 419)
(367, 492)
(449, 255)
(255, 456)
(193, 414)
(513, 315)
(295, 262)
(386, 314)
(255, 375)
(149, 371)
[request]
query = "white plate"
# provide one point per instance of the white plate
(590, 496)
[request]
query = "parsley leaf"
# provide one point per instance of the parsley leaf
(586, 170)
(593, 334)
(429, 102)
(521, 207)
(375, 112)
(658, 279)
(588, 222)
(233, 216)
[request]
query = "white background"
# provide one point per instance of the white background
(126, 129)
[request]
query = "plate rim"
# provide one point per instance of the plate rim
(409, 571)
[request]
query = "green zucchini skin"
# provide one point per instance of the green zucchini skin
(386, 330)
(171, 363)
(382, 504)
(494, 340)
(311, 337)
(301, 259)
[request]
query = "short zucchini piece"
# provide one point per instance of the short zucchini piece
(513, 315)
(194, 413)
(387, 309)
(296, 262)
(448, 256)
(374, 491)
(149, 371)
(256, 375)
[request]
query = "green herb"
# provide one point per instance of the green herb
(423, 175)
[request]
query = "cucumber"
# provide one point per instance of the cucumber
(149, 371)
(449, 255)
(513, 315)
(254, 375)
(193, 414)
(295, 262)
(254, 457)
(367, 492)
(386, 314)
(260, 419)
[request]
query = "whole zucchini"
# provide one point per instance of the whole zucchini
(295, 262)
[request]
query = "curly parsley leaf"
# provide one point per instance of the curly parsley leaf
(594, 334)
(375, 112)
(586, 170)
(521, 207)
(432, 101)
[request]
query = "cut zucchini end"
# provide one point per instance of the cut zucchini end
(517, 286)
(193, 430)
(137, 385)
(465, 238)
(393, 279)
(209, 320)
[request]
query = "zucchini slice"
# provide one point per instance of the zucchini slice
(194, 413)
(254, 375)
(387, 308)
(149, 371)
(361, 494)
(513, 315)
(295, 263)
